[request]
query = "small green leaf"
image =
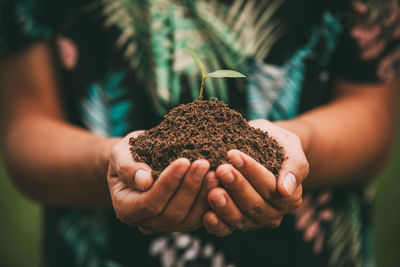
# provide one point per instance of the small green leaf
(196, 58)
(225, 74)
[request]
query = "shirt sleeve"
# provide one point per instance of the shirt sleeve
(21, 24)
(369, 50)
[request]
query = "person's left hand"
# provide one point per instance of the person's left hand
(251, 196)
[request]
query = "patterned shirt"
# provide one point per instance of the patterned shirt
(123, 65)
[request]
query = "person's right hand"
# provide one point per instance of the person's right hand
(176, 201)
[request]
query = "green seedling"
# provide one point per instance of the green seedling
(214, 74)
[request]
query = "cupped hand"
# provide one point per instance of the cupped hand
(176, 201)
(251, 196)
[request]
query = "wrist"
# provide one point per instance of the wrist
(103, 156)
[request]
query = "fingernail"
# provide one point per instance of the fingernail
(180, 171)
(141, 178)
(237, 160)
(228, 177)
(212, 219)
(198, 173)
(289, 183)
(220, 201)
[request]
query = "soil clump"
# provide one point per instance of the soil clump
(205, 129)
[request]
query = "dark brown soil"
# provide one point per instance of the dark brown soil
(204, 129)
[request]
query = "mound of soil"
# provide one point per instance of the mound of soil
(204, 129)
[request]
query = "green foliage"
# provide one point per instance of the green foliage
(225, 74)
(214, 74)
(197, 60)
(145, 40)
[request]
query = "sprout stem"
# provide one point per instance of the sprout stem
(203, 79)
(215, 74)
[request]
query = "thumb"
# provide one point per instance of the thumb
(293, 173)
(136, 175)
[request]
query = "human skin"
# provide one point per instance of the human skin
(257, 194)
(357, 125)
(346, 142)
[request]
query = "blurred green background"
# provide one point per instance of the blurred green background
(20, 220)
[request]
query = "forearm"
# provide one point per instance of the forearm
(47, 159)
(53, 162)
(348, 140)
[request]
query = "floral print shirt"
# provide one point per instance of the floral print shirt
(123, 66)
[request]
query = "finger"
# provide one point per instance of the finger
(180, 204)
(295, 168)
(147, 230)
(154, 200)
(226, 209)
(115, 185)
(258, 176)
(200, 206)
(123, 199)
(136, 175)
(249, 201)
(239, 188)
(294, 171)
(264, 182)
(214, 225)
(290, 203)
(194, 218)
